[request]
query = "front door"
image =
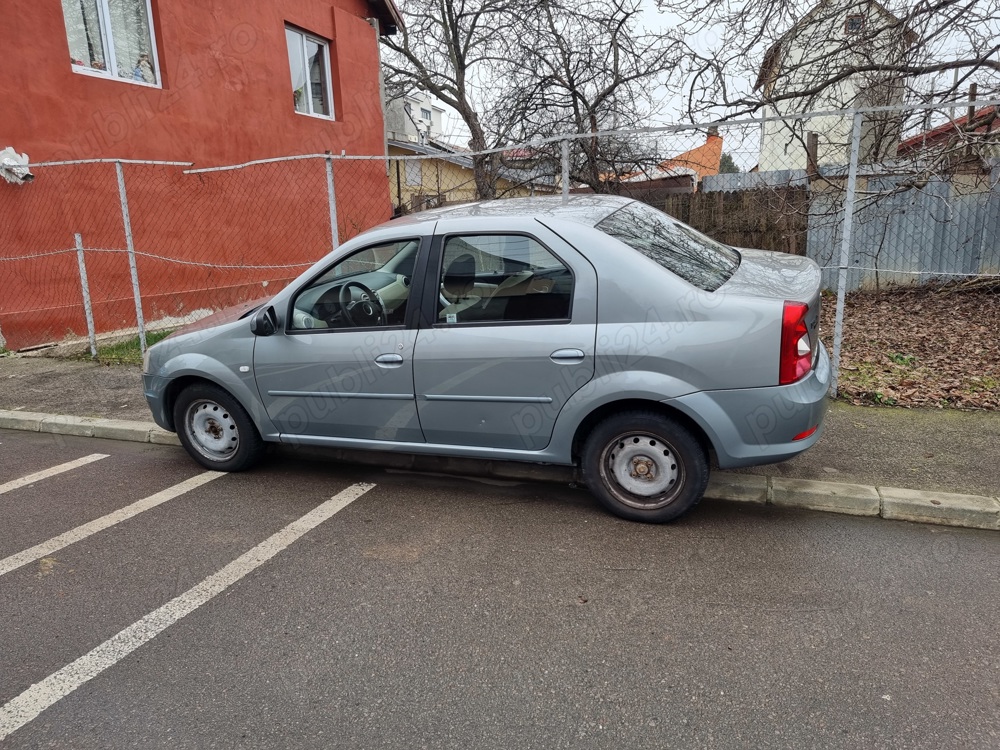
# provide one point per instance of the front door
(343, 366)
(512, 338)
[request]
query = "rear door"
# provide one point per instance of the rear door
(508, 334)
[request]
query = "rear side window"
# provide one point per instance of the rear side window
(699, 260)
(501, 278)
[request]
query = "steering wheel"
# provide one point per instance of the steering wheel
(368, 311)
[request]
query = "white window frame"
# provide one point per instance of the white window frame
(325, 44)
(111, 59)
(426, 114)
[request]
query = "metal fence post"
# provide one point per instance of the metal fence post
(845, 249)
(127, 221)
(85, 286)
(332, 198)
(565, 171)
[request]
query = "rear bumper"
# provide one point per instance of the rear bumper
(750, 426)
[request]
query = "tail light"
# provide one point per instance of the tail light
(796, 349)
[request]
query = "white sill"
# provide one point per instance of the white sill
(328, 118)
(107, 76)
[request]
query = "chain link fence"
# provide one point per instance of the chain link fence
(878, 198)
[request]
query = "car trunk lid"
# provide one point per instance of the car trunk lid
(783, 278)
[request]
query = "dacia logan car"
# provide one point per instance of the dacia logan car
(596, 331)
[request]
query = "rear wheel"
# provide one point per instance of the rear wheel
(215, 429)
(644, 466)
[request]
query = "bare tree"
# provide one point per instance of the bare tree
(591, 69)
(523, 70)
(768, 51)
(456, 50)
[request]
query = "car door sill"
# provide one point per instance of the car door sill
(462, 451)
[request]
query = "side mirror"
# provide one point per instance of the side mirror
(264, 322)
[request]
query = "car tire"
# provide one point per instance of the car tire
(215, 429)
(644, 466)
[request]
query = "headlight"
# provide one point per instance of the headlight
(145, 362)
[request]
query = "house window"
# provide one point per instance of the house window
(425, 114)
(855, 24)
(309, 61)
(111, 38)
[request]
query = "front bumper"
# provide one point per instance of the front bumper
(154, 388)
(751, 426)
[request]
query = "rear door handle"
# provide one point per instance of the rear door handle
(389, 360)
(567, 356)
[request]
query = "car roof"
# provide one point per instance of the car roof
(586, 209)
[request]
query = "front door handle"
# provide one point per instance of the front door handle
(389, 360)
(567, 356)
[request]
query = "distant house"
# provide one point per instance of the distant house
(983, 132)
(681, 173)
(414, 118)
(414, 128)
(447, 177)
(802, 73)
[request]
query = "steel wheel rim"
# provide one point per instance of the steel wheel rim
(212, 430)
(642, 470)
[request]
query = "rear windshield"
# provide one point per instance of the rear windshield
(697, 259)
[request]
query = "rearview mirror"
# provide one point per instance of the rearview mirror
(264, 322)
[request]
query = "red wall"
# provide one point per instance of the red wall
(225, 99)
(226, 94)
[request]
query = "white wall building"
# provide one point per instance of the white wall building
(414, 118)
(807, 65)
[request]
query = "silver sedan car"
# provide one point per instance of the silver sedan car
(597, 332)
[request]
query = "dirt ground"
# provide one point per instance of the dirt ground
(931, 346)
(82, 389)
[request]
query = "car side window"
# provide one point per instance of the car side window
(369, 288)
(496, 278)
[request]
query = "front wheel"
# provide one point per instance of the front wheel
(215, 429)
(644, 466)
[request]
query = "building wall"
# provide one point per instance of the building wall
(440, 181)
(226, 86)
(418, 184)
(225, 98)
(403, 127)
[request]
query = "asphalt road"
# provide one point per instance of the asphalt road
(448, 613)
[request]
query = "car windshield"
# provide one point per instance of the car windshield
(395, 257)
(697, 259)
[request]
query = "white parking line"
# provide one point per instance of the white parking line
(72, 536)
(40, 696)
(38, 475)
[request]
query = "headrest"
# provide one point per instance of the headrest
(460, 276)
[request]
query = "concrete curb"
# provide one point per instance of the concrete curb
(112, 429)
(894, 503)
